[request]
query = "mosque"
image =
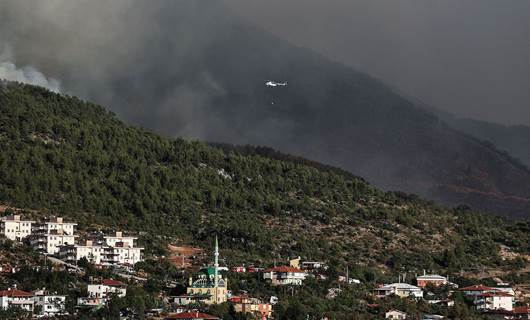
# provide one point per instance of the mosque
(209, 283)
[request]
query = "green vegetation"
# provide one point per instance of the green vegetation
(63, 155)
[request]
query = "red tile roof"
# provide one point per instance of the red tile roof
(284, 269)
(14, 293)
(521, 310)
(478, 288)
(193, 315)
(112, 283)
(495, 294)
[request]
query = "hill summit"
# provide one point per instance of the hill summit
(63, 155)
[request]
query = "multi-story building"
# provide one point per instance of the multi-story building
(108, 252)
(13, 298)
(284, 275)
(51, 304)
(74, 252)
(121, 255)
(47, 237)
(121, 250)
(494, 301)
(14, 228)
(118, 238)
(488, 298)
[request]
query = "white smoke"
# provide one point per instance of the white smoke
(27, 74)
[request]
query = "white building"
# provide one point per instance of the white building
(13, 228)
(47, 237)
(314, 265)
(114, 250)
(399, 289)
(494, 301)
(395, 314)
(13, 298)
(51, 304)
(98, 294)
(284, 275)
(73, 253)
(119, 238)
(123, 254)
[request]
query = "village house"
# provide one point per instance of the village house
(494, 301)
(284, 275)
(313, 265)
(399, 289)
(476, 290)
(14, 298)
(239, 269)
(443, 303)
(210, 283)
(244, 304)
(47, 237)
(51, 304)
(395, 314)
(254, 269)
(188, 299)
(431, 279)
(192, 316)
(99, 293)
(489, 298)
(13, 228)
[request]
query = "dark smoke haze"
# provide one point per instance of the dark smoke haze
(471, 58)
(198, 69)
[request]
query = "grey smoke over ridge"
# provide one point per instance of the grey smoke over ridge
(27, 74)
(194, 68)
(132, 56)
(469, 58)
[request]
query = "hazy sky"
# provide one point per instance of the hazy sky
(471, 57)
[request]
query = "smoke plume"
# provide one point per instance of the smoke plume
(27, 74)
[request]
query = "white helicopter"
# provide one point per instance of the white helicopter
(275, 84)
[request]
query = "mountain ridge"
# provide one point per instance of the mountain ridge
(65, 156)
(212, 86)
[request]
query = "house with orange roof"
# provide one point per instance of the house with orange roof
(13, 298)
(99, 293)
(476, 290)
(284, 275)
(192, 316)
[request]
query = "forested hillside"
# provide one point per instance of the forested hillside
(196, 69)
(515, 140)
(62, 155)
